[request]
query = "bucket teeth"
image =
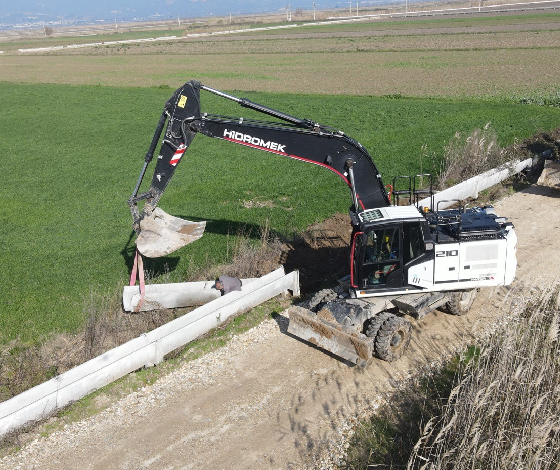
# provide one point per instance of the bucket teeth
(162, 234)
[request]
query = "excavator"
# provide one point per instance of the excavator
(406, 260)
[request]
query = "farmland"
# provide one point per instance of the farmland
(75, 127)
(484, 56)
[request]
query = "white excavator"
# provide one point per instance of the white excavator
(405, 260)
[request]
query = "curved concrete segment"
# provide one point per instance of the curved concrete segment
(551, 175)
(148, 349)
(177, 295)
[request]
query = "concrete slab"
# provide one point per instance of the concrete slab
(551, 175)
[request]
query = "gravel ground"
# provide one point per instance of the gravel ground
(199, 374)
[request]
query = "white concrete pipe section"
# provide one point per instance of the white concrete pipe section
(472, 186)
(177, 295)
(146, 350)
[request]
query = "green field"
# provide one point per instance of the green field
(71, 156)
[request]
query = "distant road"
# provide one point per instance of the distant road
(496, 8)
(504, 8)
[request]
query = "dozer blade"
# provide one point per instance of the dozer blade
(161, 233)
(330, 335)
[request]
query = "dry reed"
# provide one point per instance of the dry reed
(470, 156)
(505, 413)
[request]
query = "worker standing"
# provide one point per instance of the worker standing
(227, 284)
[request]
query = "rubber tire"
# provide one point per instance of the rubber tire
(322, 297)
(460, 302)
(375, 323)
(393, 338)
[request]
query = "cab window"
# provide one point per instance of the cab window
(382, 245)
(381, 255)
(413, 242)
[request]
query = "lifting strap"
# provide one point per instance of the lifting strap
(138, 268)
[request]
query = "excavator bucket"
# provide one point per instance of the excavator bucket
(161, 233)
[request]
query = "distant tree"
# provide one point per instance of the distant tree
(48, 31)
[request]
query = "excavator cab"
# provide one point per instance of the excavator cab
(384, 250)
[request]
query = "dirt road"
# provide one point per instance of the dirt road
(269, 401)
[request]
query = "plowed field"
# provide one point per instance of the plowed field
(501, 56)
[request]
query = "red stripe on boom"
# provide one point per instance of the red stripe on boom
(177, 155)
(295, 157)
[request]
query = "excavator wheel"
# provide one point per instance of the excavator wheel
(322, 297)
(393, 338)
(460, 302)
(373, 325)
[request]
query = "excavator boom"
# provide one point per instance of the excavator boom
(288, 136)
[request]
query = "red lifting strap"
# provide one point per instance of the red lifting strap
(138, 268)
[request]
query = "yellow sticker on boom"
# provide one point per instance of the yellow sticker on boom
(182, 101)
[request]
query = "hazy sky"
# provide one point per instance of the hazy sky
(51, 10)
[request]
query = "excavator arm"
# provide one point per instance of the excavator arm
(288, 136)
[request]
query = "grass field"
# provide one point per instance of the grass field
(71, 156)
(75, 128)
